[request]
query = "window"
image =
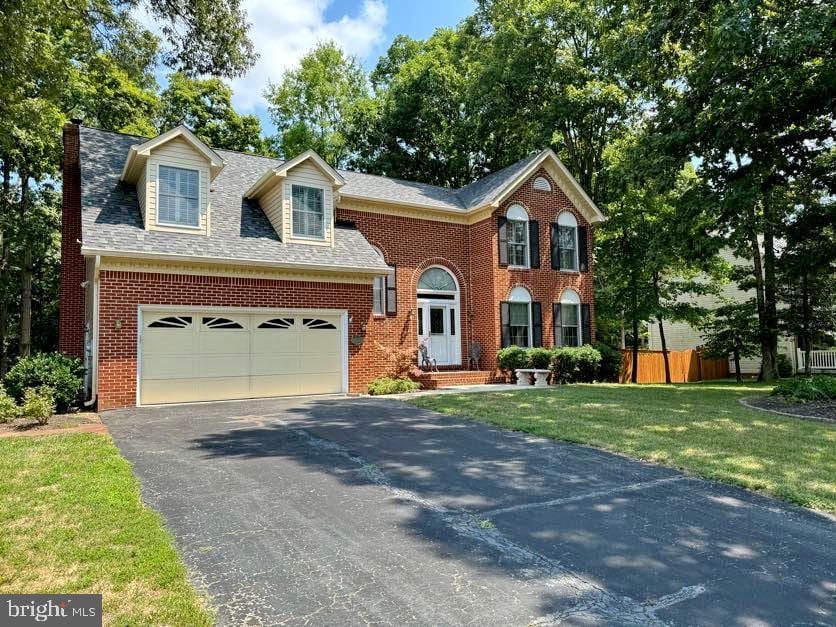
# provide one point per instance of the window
(568, 241)
(171, 322)
(568, 319)
(308, 212)
(316, 323)
(178, 196)
(277, 323)
(517, 236)
(221, 323)
(437, 280)
(381, 283)
(519, 317)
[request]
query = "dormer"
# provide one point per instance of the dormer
(172, 173)
(298, 198)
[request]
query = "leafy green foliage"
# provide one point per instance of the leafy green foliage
(205, 107)
(512, 358)
(539, 358)
(575, 364)
(392, 385)
(609, 370)
(8, 408)
(38, 403)
(315, 105)
(784, 366)
(806, 389)
(59, 372)
(732, 330)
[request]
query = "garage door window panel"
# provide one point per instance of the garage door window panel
(171, 322)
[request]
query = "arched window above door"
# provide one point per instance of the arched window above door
(437, 279)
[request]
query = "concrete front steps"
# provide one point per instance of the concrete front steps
(452, 378)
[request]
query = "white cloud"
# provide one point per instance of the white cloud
(284, 30)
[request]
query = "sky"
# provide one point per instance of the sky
(284, 30)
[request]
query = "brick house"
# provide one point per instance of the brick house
(192, 274)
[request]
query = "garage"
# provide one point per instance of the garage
(208, 355)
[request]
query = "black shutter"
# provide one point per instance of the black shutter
(505, 323)
(537, 323)
(583, 254)
(558, 334)
(555, 246)
(502, 228)
(534, 243)
(392, 292)
(586, 325)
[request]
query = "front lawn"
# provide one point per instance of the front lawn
(71, 520)
(698, 427)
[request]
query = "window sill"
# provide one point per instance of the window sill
(570, 271)
(309, 238)
(379, 316)
(519, 267)
(190, 227)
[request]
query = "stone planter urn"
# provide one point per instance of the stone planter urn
(541, 378)
(523, 377)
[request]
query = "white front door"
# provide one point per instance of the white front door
(438, 323)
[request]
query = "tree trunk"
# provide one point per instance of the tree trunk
(634, 376)
(736, 354)
(25, 346)
(769, 326)
(665, 357)
(5, 253)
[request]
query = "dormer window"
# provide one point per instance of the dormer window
(178, 197)
(308, 212)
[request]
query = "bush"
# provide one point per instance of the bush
(807, 389)
(512, 358)
(539, 358)
(39, 404)
(8, 408)
(392, 385)
(784, 366)
(61, 373)
(610, 367)
(575, 365)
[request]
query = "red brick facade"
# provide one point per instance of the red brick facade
(469, 252)
(71, 292)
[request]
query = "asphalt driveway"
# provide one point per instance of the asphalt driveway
(336, 511)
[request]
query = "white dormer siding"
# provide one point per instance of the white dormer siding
(176, 153)
(307, 175)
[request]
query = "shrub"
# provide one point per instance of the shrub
(61, 373)
(575, 365)
(784, 366)
(807, 389)
(8, 408)
(610, 367)
(39, 403)
(539, 358)
(392, 385)
(511, 358)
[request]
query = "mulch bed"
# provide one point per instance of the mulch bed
(60, 423)
(815, 410)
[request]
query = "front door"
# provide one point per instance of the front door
(438, 324)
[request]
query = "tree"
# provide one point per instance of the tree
(733, 329)
(314, 105)
(205, 107)
(745, 89)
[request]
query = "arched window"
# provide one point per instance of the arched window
(567, 232)
(517, 236)
(542, 184)
(379, 290)
(519, 317)
(437, 279)
(568, 319)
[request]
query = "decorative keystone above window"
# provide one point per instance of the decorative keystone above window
(171, 322)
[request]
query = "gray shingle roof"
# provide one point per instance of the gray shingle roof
(111, 219)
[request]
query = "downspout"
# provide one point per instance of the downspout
(94, 359)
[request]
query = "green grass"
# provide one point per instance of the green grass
(699, 428)
(71, 520)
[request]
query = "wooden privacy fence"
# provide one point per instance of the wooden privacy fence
(687, 365)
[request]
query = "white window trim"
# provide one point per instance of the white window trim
(571, 297)
(530, 319)
(577, 269)
(175, 225)
(325, 227)
(527, 253)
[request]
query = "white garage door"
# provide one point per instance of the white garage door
(206, 356)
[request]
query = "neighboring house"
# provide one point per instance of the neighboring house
(194, 274)
(682, 336)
